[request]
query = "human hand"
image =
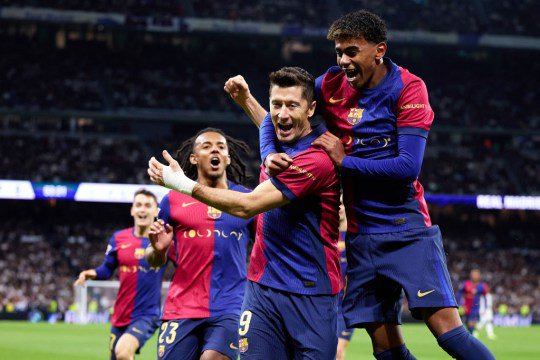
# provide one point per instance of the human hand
(160, 235)
(333, 147)
(171, 176)
(238, 89)
(277, 163)
(83, 276)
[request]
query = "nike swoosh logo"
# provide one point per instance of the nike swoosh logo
(333, 101)
(188, 204)
(422, 294)
(136, 330)
(125, 246)
(233, 347)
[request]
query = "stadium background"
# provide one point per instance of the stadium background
(89, 90)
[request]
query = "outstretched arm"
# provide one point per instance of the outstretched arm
(89, 274)
(245, 205)
(405, 166)
(238, 90)
(103, 271)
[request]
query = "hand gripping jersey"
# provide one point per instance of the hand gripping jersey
(209, 251)
(296, 245)
(384, 130)
(139, 294)
(369, 123)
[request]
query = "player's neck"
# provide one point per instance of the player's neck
(218, 183)
(378, 75)
(141, 231)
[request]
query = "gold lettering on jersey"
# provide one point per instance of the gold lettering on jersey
(374, 142)
(134, 269)
(214, 213)
(412, 106)
(192, 233)
(303, 171)
(355, 115)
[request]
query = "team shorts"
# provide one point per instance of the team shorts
(281, 325)
(473, 315)
(343, 332)
(189, 338)
(142, 329)
(381, 266)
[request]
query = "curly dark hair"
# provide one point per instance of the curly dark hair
(294, 76)
(236, 171)
(359, 23)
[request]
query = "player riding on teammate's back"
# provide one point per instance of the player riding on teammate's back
(379, 116)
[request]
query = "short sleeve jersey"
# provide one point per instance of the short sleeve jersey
(295, 247)
(368, 122)
(209, 251)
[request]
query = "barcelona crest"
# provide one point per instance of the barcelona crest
(243, 345)
(355, 115)
(139, 253)
(161, 350)
(214, 213)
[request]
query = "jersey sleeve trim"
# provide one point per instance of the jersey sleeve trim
(283, 188)
(408, 130)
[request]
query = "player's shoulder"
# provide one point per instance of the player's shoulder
(315, 159)
(127, 232)
(409, 78)
(175, 197)
(333, 74)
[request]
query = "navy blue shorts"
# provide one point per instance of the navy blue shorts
(281, 325)
(189, 338)
(473, 315)
(343, 332)
(142, 329)
(380, 266)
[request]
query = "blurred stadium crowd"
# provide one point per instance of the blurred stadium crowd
(66, 97)
(482, 16)
(42, 254)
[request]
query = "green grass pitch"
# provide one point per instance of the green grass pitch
(22, 340)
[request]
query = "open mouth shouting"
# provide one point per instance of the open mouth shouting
(285, 130)
(351, 74)
(215, 161)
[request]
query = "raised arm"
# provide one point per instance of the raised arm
(245, 205)
(238, 90)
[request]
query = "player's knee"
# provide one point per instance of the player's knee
(123, 353)
(340, 354)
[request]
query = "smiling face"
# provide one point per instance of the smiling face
(210, 155)
(290, 112)
(143, 210)
(360, 60)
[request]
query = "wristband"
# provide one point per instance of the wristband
(177, 180)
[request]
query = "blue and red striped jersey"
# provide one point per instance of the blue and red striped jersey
(139, 294)
(377, 197)
(295, 248)
(210, 253)
(469, 295)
